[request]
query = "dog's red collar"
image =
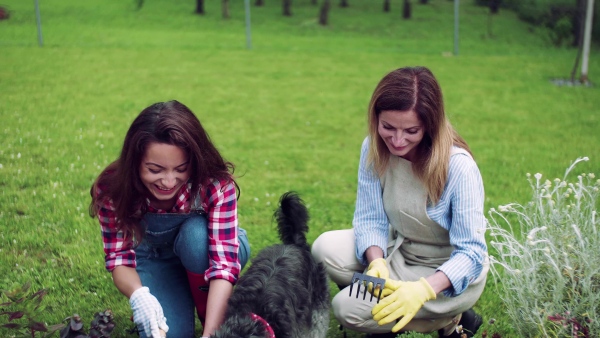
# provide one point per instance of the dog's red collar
(268, 327)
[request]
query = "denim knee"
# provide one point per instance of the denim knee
(244, 249)
(191, 245)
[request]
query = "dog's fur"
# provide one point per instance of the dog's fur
(284, 285)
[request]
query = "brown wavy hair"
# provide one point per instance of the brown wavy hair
(164, 122)
(415, 88)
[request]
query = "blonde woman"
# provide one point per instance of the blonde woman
(419, 220)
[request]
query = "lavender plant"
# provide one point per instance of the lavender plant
(546, 265)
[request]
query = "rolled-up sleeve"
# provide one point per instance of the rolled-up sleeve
(117, 251)
(220, 203)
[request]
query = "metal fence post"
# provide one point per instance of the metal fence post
(39, 23)
(248, 33)
(587, 36)
(456, 3)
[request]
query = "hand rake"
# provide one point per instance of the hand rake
(364, 280)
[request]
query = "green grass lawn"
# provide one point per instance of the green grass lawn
(290, 113)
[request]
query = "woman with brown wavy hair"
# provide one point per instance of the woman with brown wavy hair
(419, 221)
(167, 208)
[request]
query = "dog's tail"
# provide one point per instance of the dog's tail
(292, 219)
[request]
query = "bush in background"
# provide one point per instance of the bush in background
(563, 18)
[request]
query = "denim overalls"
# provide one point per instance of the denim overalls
(174, 243)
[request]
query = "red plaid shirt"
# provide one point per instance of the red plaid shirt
(218, 199)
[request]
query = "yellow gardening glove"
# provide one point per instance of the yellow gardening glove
(403, 303)
(378, 268)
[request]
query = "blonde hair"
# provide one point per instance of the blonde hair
(415, 88)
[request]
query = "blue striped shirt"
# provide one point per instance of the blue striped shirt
(459, 210)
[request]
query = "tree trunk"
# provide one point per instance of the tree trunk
(494, 6)
(406, 11)
(225, 9)
(424, 2)
(324, 13)
(259, 3)
(287, 7)
(576, 65)
(344, 3)
(200, 7)
(386, 6)
(579, 23)
(314, 2)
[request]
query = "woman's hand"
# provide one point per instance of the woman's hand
(378, 269)
(147, 313)
(403, 303)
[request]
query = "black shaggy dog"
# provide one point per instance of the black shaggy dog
(284, 286)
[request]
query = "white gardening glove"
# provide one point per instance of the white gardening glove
(147, 313)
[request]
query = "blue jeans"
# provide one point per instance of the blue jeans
(174, 243)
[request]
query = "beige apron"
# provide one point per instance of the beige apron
(417, 244)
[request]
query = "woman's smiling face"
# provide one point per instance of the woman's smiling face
(401, 131)
(164, 170)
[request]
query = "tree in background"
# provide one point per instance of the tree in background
(225, 9)
(406, 10)
(344, 3)
(578, 28)
(494, 6)
(287, 7)
(259, 3)
(200, 7)
(386, 5)
(324, 12)
(579, 23)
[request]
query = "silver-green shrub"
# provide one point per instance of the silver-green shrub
(546, 262)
